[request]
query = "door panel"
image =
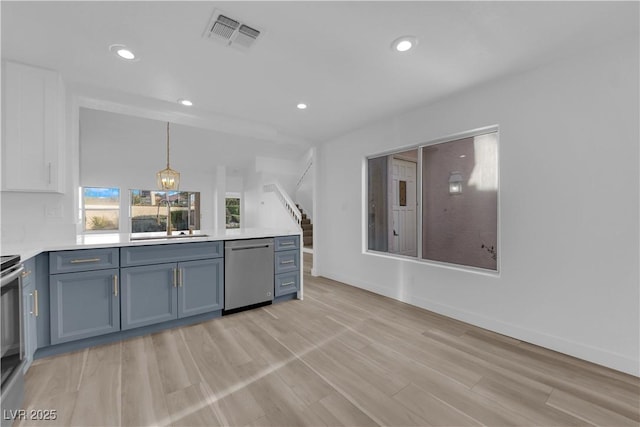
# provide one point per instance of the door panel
(200, 288)
(84, 305)
(148, 295)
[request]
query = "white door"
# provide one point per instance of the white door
(403, 227)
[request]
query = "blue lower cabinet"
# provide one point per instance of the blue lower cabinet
(162, 292)
(84, 304)
(200, 286)
(287, 265)
(148, 295)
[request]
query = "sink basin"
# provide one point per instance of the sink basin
(165, 237)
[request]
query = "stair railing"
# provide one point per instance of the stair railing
(287, 202)
(304, 173)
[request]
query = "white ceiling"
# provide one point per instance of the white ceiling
(335, 56)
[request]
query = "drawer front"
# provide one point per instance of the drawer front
(287, 243)
(287, 283)
(287, 261)
(83, 260)
(173, 252)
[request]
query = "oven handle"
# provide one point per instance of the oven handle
(12, 276)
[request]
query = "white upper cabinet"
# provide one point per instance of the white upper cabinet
(32, 129)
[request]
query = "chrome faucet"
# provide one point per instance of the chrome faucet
(168, 214)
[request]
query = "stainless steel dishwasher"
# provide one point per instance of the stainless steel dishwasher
(248, 273)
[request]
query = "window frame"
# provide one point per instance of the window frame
(168, 193)
(233, 195)
(83, 211)
(419, 239)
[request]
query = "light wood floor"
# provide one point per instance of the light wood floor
(340, 357)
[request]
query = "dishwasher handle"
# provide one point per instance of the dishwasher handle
(242, 248)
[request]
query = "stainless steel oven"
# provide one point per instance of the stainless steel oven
(12, 338)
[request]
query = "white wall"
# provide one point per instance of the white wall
(264, 209)
(569, 190)
(127, 152)
(283, 171)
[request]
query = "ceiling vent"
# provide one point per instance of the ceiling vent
(231, 31)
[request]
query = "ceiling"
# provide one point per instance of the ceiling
(334, 56)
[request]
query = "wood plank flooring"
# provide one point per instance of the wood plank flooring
(341, 357)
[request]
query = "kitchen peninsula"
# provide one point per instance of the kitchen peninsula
(102, 288)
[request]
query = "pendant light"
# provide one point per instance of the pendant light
(168, 179)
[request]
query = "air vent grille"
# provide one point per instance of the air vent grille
(246, 36)
(231, 32)
(224, 27)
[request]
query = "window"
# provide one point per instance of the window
(437, 202)
(100, 208)
(149, 210)
(232, 205)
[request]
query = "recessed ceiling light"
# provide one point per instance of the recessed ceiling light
(126, 54)
(404, 43)
(462, 156)
(185, 102)
(302, 106)
(122, 52)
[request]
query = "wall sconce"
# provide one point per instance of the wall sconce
(455, 183)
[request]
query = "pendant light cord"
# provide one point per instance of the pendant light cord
(167, 145)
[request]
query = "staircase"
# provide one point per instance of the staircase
(307, 229)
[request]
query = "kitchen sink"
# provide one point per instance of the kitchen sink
(165, 237)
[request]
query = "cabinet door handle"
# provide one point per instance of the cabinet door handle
(180, 273)
(115, 285)
(35, 303)
(81, 260)
(26, 273)
(289, 261)
(288, 284)
(175, 277)
(288, 244)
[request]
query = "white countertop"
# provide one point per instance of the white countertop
(106, 240)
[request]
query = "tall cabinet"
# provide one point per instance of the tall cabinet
(32, 129)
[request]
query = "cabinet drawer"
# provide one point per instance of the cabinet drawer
(83, 260)
(287, 261)
(287, 243)
(287, 283)
(174, 252)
